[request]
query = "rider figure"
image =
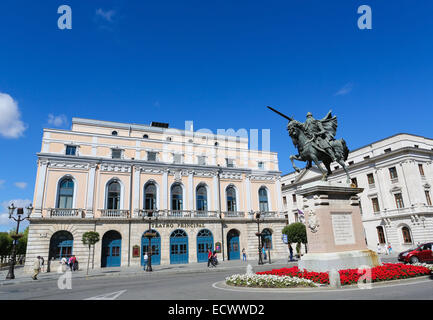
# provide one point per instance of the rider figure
(314, 130)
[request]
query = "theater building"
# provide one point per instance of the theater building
(396, 204)
(203, 189)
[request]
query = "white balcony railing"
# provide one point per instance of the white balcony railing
(114, 213)
(66, 213)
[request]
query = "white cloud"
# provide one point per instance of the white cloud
(21, 185)
(11, 125)
(345, 90)
(57, 121)
(106, 15)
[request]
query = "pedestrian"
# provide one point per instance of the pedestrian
(72, 260)
(209, 258)
(379, 249)
(42, 264)
(36, 268)
(291, 252)
(214, 259)
(264, 253)
(244, 255)
(75, 266)
(145, 258)
(389, 248)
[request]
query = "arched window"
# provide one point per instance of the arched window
(114, 133)
(113, 195)
(61, 245)
(201, 198)
(267, 238)
(380, 234)
(176, 197)
(150, 196)
(406, 235)
(145, 136)
(263, 199)
(66, 194)
(231, 198)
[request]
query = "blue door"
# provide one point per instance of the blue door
(111, 249)
(155, 244)
(204, 243)
(178, 247)
(233, 245)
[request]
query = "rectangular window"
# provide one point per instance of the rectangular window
(366, 157)
(393, 173)
(421, 169)
(201, 160)
(370, 178)
(399, 200)
(350, 163)
(375, 203)
(151, 156)
(285, 201)
(71, 150)
(427, 197)
(177, 158)
(294, 198)
(116, 153)
(229, 163)
(261, 165)
(387, 150)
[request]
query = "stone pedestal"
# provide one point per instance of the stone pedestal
(335, 232)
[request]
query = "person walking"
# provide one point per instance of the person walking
(209, 258)
(244, 255)
(389, 248)
(264, 253)
(145, 258)
(214, 259)
(379, 249)
(42, 264)
(291, 252)
(75, 266)
(72, 260)
(36, 268)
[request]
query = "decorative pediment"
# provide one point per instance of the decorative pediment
(395, 189)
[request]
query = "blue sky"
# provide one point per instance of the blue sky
(218, 64)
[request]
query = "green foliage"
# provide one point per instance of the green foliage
(22, 242)
(5, 244)
(296, 232)
(90, 238)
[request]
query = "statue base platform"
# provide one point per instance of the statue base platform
(335, 233)
(323, 262)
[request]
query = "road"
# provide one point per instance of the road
(201, 286)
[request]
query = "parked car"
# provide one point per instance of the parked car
(421, 253)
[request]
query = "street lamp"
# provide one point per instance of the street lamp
(16, 236)
(259, 235)
(149, 235)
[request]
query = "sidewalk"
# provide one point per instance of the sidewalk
(194, 267)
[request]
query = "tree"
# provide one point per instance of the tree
(296, 233)
(90, 238)
(5, 245)
(22, 242)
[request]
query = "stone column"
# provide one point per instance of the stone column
(248, 193)
(164, 190)
(90, 190)
(40, 189)
(136, 192)
(215, 193)
(279, 197)
(190, 190)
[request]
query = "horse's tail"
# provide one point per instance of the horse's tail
(345, 149)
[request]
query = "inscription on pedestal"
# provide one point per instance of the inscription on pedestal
(343, 228)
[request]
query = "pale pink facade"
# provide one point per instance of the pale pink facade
(78, 170)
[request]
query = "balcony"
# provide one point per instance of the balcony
(65, 213)
(114, 213)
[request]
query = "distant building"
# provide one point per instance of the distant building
(204, 189)
(397, 176)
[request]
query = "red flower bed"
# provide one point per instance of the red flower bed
(388, 271)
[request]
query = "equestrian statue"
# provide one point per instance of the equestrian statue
(315, 141)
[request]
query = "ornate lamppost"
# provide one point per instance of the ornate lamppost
(259, 236)
(16, 236)
(149, 235)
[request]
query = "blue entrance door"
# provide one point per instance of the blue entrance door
(178, 247)
(155, 244)
(111, 249)
(204, 243)
(233, 245)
